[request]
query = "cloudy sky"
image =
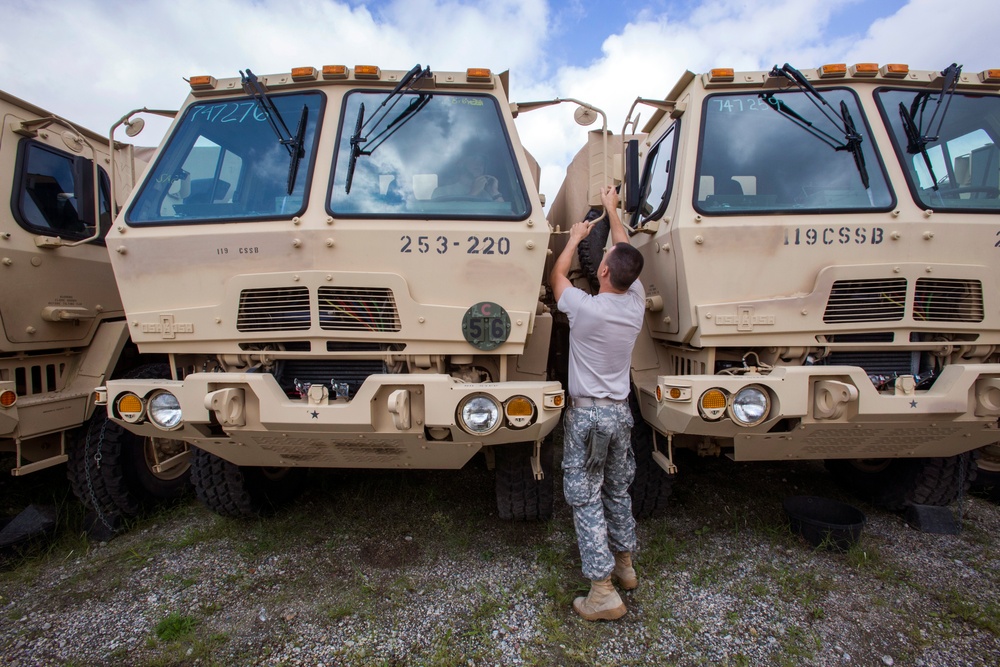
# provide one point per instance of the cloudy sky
(94, 60)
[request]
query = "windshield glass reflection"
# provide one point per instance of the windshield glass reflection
(224, 163)
(451, 158)
(756, 159)
(959, 168)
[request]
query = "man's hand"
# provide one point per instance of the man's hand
(580, 230)
(560, 270)
(609, 197)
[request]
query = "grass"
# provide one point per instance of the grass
(977, 613)
(364, 554)
(175, 626)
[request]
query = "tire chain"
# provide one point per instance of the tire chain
(98, 456)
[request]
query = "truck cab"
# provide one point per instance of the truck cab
(343, 266)
(820, 249)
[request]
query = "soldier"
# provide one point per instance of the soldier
(598, 463)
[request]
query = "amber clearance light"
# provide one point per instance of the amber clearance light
(990, 76)
(335, 71)
(478, 74)
(835, 69)
(367, 72)
(721, 74)
(202, 82)
(7, 398)
(864, 69)
(304, 74)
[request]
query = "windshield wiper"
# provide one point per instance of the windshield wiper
(844, 122)
(917, 137)
(294, 143)
(853, 143)
(381, 113)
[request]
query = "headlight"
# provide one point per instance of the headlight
(130, 407)
(479, 415)
(750, 406)
(165, 410)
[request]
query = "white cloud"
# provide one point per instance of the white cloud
(651, 53)
(94, 60)
(98, 60)
(926, 34)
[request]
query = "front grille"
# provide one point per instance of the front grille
(273, 309)
(948, 300)
(309, 371)
(889, 363)
(874, 300)
(357, 309)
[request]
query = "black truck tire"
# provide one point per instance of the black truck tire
(242, 491)
(896, 483)
(520, 497)
(591, 249)
(110, 469)
(652, 486)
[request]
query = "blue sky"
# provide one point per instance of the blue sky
(578, 28)
(94, 60)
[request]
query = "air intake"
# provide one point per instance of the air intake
(274, 309)
(357, 309)
(866, 301)
(948, 300)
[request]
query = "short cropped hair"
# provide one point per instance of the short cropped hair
(624, 265)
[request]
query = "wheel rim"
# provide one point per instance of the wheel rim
(990, 459)
(160, 450)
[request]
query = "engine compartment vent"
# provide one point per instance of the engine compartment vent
(876, 300)
(357, 309)
(948, 300)
(273, 309)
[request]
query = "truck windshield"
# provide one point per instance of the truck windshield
(448, 156)
(223, 163)
(756, 157)
(959, 168)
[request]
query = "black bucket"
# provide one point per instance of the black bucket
(823, 522)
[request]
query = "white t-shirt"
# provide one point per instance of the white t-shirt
(603, 329)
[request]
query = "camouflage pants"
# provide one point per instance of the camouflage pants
(602, 508)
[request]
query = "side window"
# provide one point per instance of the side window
(654, 188)
(967, 164)
(208, 176)
(53, 192)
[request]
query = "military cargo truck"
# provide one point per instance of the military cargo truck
(821, 251)
(63, 327)
(343, 267)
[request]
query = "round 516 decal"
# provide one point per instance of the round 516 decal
(486, 325)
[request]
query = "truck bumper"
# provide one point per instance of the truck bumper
(393, 421)
(820, 412)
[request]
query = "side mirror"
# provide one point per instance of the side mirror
(631, 176)
(83, 186)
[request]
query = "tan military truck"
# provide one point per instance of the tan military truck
(63, 330)
(821, 253)
(343, 266)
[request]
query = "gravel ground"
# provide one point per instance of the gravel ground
(376, 568)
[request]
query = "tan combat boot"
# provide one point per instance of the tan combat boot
(624, 573)
(601, 604)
